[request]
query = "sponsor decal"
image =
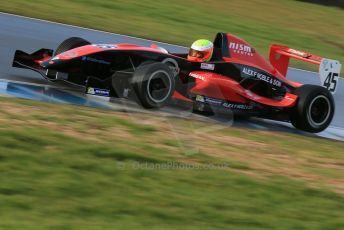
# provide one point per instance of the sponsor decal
(241, 49)
(105, 46)
(200, 98)
(207, 66)
(84, 58)
(263, 77)
(197, 76)
(208, 100)
(225, 104)
(212, 101)
(98, 92)
(237, 106)
(90, 90)
(299, 53)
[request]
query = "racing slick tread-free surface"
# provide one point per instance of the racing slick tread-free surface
(306, 94)
(71, 43)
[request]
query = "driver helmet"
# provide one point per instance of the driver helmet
(201, 51)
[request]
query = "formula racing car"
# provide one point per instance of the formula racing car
(237, 78)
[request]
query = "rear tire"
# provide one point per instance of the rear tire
(153, 84)
(314, 110)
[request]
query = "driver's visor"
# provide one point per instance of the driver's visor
(196, 53)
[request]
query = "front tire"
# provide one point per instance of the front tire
(314, 110)
(68, 44)
(153, 84)
(71, 43)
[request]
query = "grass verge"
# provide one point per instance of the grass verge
(67, 167)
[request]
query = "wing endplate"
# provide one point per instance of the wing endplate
(329, 70)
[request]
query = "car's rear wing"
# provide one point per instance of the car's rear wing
(329, 70)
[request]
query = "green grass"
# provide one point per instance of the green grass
(305, 26)
(67, 167)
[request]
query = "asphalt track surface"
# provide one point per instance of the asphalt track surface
(29, 35)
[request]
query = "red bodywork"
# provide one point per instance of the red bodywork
(218, 86)
(215, 85)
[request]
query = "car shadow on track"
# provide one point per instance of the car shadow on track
(61, 93)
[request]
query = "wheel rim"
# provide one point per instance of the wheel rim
(319, 111)
(159, 86)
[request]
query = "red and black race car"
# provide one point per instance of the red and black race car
(236, 79)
